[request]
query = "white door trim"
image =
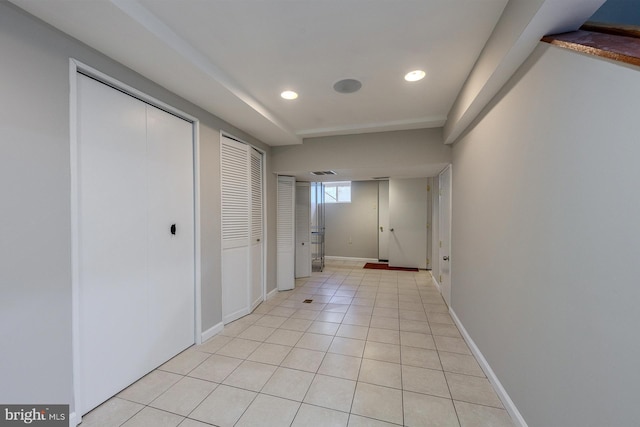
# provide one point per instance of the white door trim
(76, 67)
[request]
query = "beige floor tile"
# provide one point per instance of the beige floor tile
(421, 410)
(113, 412)
(445, 330)
(357, 319)
(284, 337)
(149, 387)
(384, 322)
(353, 331)
(272, 354)
(185, 362)
(345, 291)
(347, 346)
(216, 368)
(269, 411)
(436, 308)
(188, 422)
(214, 344)
(426, 381)
(305, 314)
(224, 406)
(336, 308)
(239, 348)
(443, 318)
(338, 365)
(341, 300)
(331, 392)
(330, 317)
(150, 417)
(234, 328)
(415, 326)
(452, 345)
(381, 403)
(471, 415)
(289, 384)
(420, 357)
(415, 339)
(316, 342)
(303, 359)
(385, 312)
(296, 324)
(382, 351)
(358, 310)
(460, 364)
(256, 333)
(472, 390)
(411, 306)
(281, 312)
(325, 328)
(387, 336)
(362, 301)
(250, 375)
(413, 315)
(314, 416)
(381, 373)
(359, 421)
(271, 321)
(184, 396)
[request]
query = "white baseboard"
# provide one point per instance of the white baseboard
(346, 258)
(73, 420)
(435, 282)
(212, 331)
(271, 293)
(491, 376)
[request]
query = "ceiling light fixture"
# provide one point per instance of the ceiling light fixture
(414, 76)
(347, 86)
(289, 94)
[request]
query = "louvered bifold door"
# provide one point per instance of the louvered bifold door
(257, 227)
(286, 233)
(236, 221)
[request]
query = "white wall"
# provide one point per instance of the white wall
(351, 229)
(35, 230)
(546, 240)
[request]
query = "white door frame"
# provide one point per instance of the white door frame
(76, 67)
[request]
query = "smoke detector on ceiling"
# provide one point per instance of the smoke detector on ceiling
(347, 86)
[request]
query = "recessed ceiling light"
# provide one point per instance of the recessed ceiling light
(289, 94)
(414, 76)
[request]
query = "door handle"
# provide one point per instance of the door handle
(173, 229)
(381, 228)
(445, 258)
(391, 229)
(257, 240)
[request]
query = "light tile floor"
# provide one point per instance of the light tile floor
(374, 348)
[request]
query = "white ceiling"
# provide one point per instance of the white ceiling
(233, 58)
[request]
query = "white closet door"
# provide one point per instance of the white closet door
(171, 256)
(445, 234)
(236, 202)
(113, 321)
(303, 229)
(136, 283)
(285, 233)
(257, 238)
(408, 222)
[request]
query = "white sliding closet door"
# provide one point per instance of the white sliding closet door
(286, 233)
(136, 280)
(236, 220)
(257, 238)
(303, 229)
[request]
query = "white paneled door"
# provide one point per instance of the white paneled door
(303, 229)
(285, 233)
(241, 171)
(135, 240)
(445, 234)
(408, 222)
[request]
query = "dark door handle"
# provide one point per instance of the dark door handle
(173, 229)
(445, 258)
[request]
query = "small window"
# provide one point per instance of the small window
(337, 192)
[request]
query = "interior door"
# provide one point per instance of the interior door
(445, 234)
(383, 220)
(257, 227)
(170, 231)
(285, 256)
(135, 280)
(303, 229)
(408, 222)
(236, 202)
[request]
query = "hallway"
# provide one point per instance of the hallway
(372, 348)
